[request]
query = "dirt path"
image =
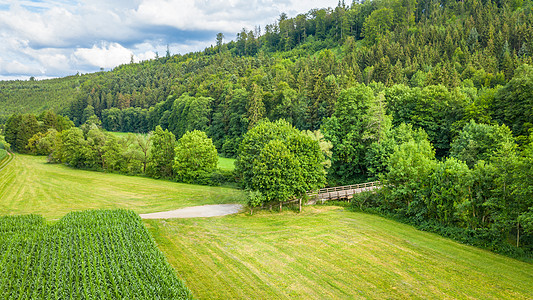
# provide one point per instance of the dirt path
(203, 211)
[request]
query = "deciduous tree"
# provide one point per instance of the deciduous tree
(196, 156)
(162, 154)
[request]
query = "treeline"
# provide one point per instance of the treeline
(361, 118)
(20, 128)
(191, 159)
(480, 195)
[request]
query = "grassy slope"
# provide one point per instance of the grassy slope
(3, 154)
(328, 253)
(30, 185)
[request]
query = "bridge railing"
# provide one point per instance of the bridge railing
(341, 191)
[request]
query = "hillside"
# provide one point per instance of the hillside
(36, 96)
(327, 252)
(432, 98)
(28, 185)
(296, 67)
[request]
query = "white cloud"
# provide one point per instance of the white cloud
(61, 37)
(106, 56)
(226, 16)
(220, 15)
(16, 67)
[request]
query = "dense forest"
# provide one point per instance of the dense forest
(434, 98)
(35, 96)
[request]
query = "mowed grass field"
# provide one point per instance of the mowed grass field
(226, 164)
(3, 154)
(330, 253)
(30, 185)
(321, 253)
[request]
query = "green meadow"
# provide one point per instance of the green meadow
(3, 154)
(226, 164)
(330, 253)
(29, 185)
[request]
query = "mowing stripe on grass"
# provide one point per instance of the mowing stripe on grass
(30, 185)
(329, 253)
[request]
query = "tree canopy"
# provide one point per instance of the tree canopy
(195, 156)
(280, 161)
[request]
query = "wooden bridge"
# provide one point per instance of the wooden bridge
(341, 192)
(333, 193)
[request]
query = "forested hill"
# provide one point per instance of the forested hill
(435, 64)
(36, 96)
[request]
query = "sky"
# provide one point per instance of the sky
(56, 38)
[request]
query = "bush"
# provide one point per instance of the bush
(221, 177)
(365, 199)
(254, 199)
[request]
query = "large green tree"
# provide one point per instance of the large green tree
(449, 186)
(358, 121)
(272, 152)
(162, 154)
(196, 156)
(378, 154)
(479, 142)
(19, 129)
(378, 24)
(513, 105)
(409, 168)
(277, 173)
(189, 113)
(73, 148)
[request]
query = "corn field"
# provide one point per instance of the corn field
(101, 254)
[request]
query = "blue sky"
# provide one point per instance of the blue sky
(51, 38)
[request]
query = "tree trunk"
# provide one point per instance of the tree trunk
(300, 204)
(280, 204)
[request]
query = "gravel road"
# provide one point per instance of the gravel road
(203, 211)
